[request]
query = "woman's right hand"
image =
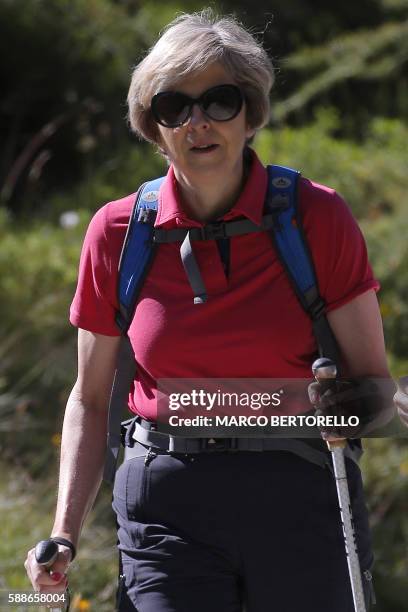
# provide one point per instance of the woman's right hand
(51, 579)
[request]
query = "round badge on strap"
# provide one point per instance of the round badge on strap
(150, 196)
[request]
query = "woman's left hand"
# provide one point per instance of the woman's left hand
(368, 399)
(401, 399)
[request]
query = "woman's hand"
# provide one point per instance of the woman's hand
(49, 579)
(401, 399)
(368, 399)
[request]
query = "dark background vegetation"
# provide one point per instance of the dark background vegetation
(340, 106)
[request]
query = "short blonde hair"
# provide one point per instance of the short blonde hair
(189, 44)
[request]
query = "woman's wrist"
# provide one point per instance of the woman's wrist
(65, 542)
(65, 534)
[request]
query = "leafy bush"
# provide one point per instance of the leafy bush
(371, 176)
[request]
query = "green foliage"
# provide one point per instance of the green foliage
(84, 45)
(385, 469)
(352, 62)
(63, 113)
(395, 5)
(27, 507)
(37, 356)
(72, 62)
(119, 174)
(371, 175)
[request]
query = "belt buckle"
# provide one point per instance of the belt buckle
(219, 444)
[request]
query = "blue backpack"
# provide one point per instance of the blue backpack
(281, 219)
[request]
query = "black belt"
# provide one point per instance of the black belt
(144, 432)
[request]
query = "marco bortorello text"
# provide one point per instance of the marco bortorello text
(263, 421)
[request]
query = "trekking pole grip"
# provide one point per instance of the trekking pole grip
(325, 373)
(46, 552)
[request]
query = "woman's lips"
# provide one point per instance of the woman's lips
(202, 150)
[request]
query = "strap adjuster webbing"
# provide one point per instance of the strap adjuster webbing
(213, 231)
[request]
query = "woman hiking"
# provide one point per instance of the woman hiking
(215, 530)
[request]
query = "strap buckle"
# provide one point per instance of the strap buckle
(214, 231)
(317, 308)
(147, 215)
(218, 444)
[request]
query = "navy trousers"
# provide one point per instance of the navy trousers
(227, 532)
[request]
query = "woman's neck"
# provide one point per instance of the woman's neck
(212, 196)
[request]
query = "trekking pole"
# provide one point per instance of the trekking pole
(325, 372)
(46, 552)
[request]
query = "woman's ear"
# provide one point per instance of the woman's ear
(162, 151)
(250, 133)
(160, 146)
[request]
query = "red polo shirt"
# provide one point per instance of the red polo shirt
(252, 325)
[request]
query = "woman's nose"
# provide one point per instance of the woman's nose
(198, 118)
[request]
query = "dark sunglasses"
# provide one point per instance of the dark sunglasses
(172, 108)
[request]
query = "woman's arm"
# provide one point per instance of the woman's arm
(359, 333)
(368, 395)
(84, 431)
(83, 445)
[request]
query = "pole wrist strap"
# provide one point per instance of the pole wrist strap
(68, 544)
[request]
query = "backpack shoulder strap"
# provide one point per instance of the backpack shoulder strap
(135, 259)
(137, 251)
(294, 254)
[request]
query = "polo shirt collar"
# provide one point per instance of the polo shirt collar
(250, 203)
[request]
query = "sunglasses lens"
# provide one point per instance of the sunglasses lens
(222, 103)
(170, 108)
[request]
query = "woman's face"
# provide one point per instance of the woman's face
(182, 144)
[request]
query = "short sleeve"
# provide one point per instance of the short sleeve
(95, 301)
(337, 245)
